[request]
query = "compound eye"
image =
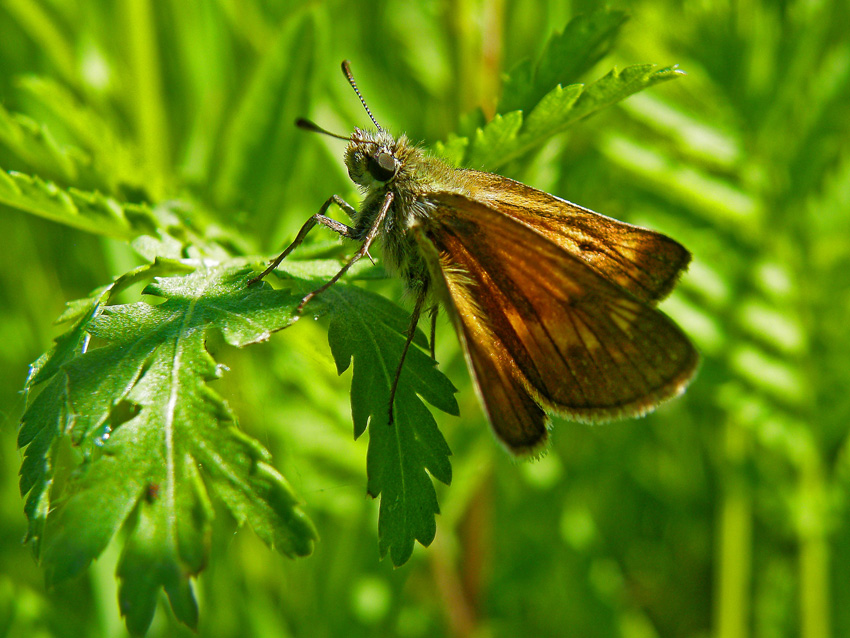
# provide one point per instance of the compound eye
(382, 166)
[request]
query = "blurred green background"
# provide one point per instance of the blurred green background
(724, 514)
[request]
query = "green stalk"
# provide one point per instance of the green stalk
(147, 94)
(814, 553)
(734, 543)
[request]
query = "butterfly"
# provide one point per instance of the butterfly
(554, 305)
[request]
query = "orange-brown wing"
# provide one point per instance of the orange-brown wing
(645, 263)
(542, 328)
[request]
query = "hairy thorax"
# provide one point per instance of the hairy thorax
(417, 176)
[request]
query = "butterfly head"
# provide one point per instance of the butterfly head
(374, 159)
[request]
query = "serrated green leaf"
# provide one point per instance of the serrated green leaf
(370, 331)
(48, 417)
(508, 137)
(453, 150)
(88, 211)
(553, 106)
(82, 311)
(566, 56)
(148, 561)
(155, 439)
(399, 455)
(489, 142)
(618, 84)
(36, 147)
(111, 162)
(45, 422)
(536, 105)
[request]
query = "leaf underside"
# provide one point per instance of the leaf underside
(156, 442)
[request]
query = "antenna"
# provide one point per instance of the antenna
(346, 69)
(307, 125)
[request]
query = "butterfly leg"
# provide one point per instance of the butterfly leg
(347, 208)
(433, 312)
(318, 218)
(411, 332)
(352, 213)
(364, 249)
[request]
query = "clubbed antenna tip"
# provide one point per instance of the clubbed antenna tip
(346, 69)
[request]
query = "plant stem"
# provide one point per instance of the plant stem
(734, 544)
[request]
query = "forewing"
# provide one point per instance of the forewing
(644, 262)
(540, 323)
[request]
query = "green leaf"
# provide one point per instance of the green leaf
(154, 438)
(82, 311)
(166, 230)
(44, 423)
(399, 455)
(48, 417)
(149, 107)
(453, 150)
(566, 56)
(510, 136)
(553, 106)
(617, 85)
(536, 103)
(147, 563)
(370, 331)
(111, 162)
(88, 211)
(38, 150)
(489, 141)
